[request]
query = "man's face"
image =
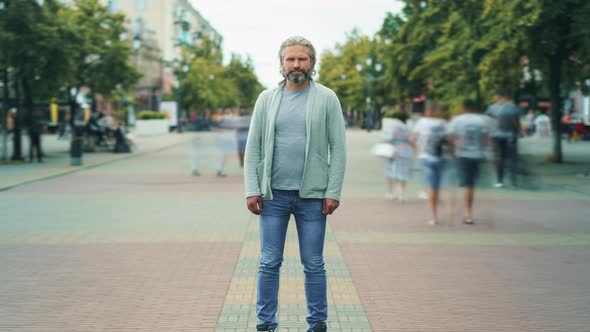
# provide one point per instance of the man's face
(296, 64)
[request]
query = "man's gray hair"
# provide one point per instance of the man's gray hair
(298, 40)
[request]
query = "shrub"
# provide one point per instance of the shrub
(150, 115)
(395, 114)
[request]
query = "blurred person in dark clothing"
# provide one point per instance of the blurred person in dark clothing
(505, 135)
(35, 124)
(468, 135)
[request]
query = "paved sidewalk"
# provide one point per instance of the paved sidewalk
(572, 175)
(139, 244)
(57, 158)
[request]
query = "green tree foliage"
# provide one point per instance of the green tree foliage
(337, 70)
(209, 85)
(101, 59)
(52, 46)
(456, 49)
(30, 45)
(240, 72)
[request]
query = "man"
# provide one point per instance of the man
(468, 134)
(294, 164)
(428, 137)
(505, 136)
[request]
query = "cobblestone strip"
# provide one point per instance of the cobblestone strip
(345, 312)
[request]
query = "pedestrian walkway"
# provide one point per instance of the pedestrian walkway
(139, 244)
(571, 175)
(57, 158)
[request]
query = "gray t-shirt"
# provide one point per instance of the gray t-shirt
(470, 132)
(290, 138)
(431, 133)
(507, 116)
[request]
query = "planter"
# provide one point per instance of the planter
(151, 127)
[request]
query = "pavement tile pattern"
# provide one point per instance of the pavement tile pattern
(138, 244)
(345, 313)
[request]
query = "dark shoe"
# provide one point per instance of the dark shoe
(264, 327)
(321, 327)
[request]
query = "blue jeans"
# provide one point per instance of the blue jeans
(311, 230)
(432, 171)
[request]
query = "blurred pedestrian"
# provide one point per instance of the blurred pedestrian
(529, 122)
(295, 160)
(226, 141)
(468, 135)
(429, 138)
(543, 124)
(398, 168)
(194, 156)
(242, 128)
(35, 124)
(65, 127)
(505, 135)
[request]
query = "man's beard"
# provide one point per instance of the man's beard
(303, 76)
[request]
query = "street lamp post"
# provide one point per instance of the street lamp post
(371, 73)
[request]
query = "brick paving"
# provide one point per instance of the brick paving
(138, 244)
(114, 287)
(344, 310)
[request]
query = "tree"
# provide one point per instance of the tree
(200, 89)
(560, 46)
(337, 69)
(457, 49)
(413, 35)
(209, 85)
(241, 74)
(30, 44)
(99, 58)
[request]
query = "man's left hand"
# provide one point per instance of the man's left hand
(330, 205)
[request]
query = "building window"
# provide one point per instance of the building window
(140, 4)
(114, 6)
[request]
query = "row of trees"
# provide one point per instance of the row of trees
(49, 50)
(454, 49)
(208, 85)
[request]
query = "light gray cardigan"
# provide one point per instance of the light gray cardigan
(325, 149)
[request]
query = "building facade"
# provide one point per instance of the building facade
(157, 30)
(171, 22)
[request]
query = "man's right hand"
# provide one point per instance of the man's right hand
(254, 204)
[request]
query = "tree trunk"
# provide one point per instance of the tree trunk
(478, 99)
(554, 90)
(28, 101)
(5, 108)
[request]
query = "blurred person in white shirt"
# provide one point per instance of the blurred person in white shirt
(469, 134)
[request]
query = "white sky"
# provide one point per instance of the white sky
(257, 27)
